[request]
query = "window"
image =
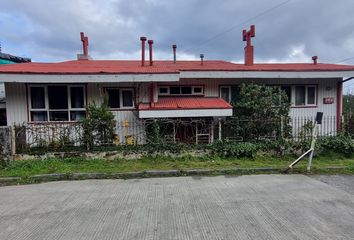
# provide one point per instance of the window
(287, 90)
(163, 90)
(127, 96)
(180, 90)
(305, 95)
(311, 92)
(225, 93)
(113, 98)
(120, 98)
(56, 103)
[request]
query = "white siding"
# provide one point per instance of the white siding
(16, 103)
(326, 88)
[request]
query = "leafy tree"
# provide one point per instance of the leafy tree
(260, 111)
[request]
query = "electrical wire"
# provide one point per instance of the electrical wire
(237, 25)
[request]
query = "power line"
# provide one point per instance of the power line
(345, 59)
(237, 25)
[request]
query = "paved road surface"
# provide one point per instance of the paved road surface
(246, 207)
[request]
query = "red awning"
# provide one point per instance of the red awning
(180, 103)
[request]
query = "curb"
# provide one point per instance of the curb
(6, 181)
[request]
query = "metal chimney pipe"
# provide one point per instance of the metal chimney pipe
(174, 46)
(150, 42)
(314, 59)
(201, 58)
(143, 40)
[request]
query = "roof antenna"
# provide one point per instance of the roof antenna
(201, 58)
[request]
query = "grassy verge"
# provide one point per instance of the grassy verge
(28, 168)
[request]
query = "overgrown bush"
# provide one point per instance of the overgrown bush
(339, 144)
(260, 111)
(235, 149)
(98, 126)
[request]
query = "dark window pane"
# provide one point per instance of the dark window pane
(58, 97)
(186, 90)
(58, 116)
(39, 116)
(287, 90)
(37, 97)
(311, 95)
(163, 90)
(77, 97)
(198, 90)
(299, 95)
(113, 98)
(175, 90)
(127, 98)
(77, 115)
(225, 94)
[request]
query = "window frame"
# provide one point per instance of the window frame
(307, 86)
(121, 107)
(229, 88)
(193, 93)
(46, 102)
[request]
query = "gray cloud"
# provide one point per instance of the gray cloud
(49, 30)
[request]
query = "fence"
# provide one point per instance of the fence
(59, 135)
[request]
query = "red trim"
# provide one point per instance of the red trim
(339, 104)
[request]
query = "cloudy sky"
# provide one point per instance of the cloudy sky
(286, 30)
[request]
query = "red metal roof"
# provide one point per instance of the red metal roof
(134, 67)
(179, 103)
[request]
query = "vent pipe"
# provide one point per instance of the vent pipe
(314, 59)
(174, 46)
(201, 58)
(143, 40)
(150, 42)
(249, 49)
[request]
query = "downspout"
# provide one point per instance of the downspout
(339, 105)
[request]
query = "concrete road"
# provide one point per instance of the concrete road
(246, 207)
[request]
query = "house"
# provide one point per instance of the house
(7, 59)
(193, 92)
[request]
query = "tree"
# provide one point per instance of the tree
(260, 111)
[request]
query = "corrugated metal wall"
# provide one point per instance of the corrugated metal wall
(16, 103)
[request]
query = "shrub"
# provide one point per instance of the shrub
(98, 126)
(339, 144)
(235, 149)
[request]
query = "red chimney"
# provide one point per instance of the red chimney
(150, 42)
(143, 40)
(249, 49)
(314, 59)
(84, 41)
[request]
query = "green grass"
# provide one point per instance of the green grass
(26, 168)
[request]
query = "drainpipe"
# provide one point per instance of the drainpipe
(339, 105)
(143, 40)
